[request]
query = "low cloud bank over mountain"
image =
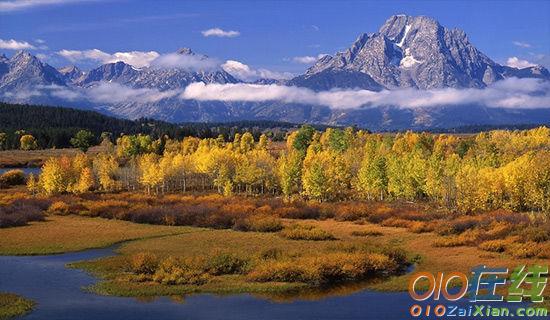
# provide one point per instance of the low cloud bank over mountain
(413, 72)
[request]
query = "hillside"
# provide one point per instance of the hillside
(55, 126)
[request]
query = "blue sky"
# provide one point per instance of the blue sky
(265, 34)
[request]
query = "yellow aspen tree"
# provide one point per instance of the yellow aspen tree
(315, 178)
(52, 178)
(247, 142)
(85, 182)
(372, 180)
(105, 166)
(289, 172)
(151, 175)
(263, 142)
(32, 184)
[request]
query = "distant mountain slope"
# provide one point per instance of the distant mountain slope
(23, 70)
(54, 126)
(418, 52)
(406, 54)
(161, 78)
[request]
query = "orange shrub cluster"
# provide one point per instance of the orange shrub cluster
(327, 269)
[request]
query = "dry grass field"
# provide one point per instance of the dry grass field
(60, 234)
(251, 245)
(36, 158)
(193, 243)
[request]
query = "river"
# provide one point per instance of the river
(26, 170)
(59, 294)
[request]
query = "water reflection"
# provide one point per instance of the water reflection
(58, 292)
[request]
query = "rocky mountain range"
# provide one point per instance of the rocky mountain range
(407, 52)
(418, 52)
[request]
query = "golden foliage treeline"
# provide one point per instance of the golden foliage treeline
(491, 170)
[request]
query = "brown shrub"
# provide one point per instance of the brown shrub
(544, 251)
(272, 253)
(302, 232)
(498, 230)
(327, 269)
(172, 271)
(414, 215)
(20, 212)
(59, 208)
(144, 263)
(226, 264)
(12, 178)
(302, 212)
(277, 271)
(367, 233)
(498, 245)
(351, 211)
(470, 237)
(264, 210)
(449, 241)
(396, 223)
(524, 250)
(513, 218)
(458, 225)
(238, 209)
(421, 227)
(107, 208)
(537, 233)
(260, 223)
(380, 214)
(40, 203)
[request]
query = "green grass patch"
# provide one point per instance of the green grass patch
(12, 305)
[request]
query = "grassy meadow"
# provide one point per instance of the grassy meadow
(267, 246)
(327, 213)
(36, 158)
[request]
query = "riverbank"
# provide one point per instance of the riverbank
(12, 305)
(62, 234)
(72, 233)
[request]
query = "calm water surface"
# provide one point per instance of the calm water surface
(58, 292)
(26, 170)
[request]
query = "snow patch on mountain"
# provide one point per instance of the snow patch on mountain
(408, 60)
(407, 29)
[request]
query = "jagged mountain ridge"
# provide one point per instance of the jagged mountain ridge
(418, 52)
(24, 70)
(155, 77)
(406, 52)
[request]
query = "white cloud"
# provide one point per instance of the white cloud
(15, 5)
(107, 92)
(246, 73)
(135, 58)
(104, 92)
(185, 61)
(308, 59)
(141, 59)
(509, 93)
(15, 45)
(522, 44)
(515, 62)
(42, 56)
(217, 32)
